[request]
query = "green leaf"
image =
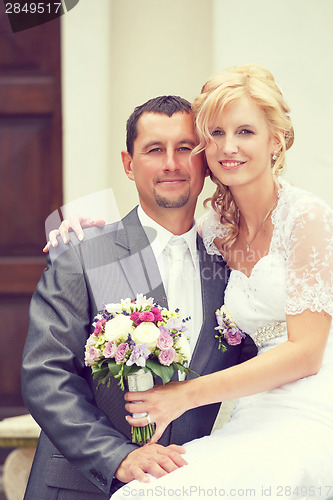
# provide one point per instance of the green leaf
(105, 380)
(188, 370)
(126, 370)
(133, 369)
(101, 363)
(179, 367)
(99, 373)
(185, 369)
(113, 368)
(164, 372)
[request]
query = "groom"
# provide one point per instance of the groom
(85, 450)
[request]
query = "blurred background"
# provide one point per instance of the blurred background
(67, 88)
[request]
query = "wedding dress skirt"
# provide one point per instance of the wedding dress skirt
(278, 444)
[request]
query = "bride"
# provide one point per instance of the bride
(278, 243)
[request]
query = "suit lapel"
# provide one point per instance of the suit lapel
(214, 277)
(139, 264)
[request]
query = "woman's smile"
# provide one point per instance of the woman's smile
(231, 164)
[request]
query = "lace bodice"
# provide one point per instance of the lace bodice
(300, 255)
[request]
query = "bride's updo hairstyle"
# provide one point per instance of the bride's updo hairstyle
(257, 84)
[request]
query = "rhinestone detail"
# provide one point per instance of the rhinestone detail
(269, 332)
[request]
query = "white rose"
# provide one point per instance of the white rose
(118, 328)
(185, 349)
(113, 308)
(146, 333)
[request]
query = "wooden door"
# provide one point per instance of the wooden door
(30, 182)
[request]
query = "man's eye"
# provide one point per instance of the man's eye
(184, 148)
(155, 150)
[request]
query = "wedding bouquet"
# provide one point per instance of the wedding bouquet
(131, 339)
(227, 328)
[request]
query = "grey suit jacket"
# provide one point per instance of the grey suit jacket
(84, 433)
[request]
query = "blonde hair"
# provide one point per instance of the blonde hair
(257, 84)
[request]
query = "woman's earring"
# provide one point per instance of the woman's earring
(275, 157)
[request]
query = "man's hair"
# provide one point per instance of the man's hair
(164, 105)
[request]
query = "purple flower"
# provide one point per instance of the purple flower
(163, 329)
(110, 350)
(233, 336)
(223, 322)
(165, 341)
(166, 357)
(120, 354)
(175, 324)
(139, 355)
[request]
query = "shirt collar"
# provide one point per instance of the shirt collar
(164, 236)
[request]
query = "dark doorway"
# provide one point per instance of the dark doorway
(30, 182)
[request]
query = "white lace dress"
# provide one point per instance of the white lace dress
(278, 444)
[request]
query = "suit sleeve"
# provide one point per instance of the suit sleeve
(54, 385)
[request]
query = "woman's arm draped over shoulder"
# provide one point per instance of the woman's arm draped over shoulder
(74, 223)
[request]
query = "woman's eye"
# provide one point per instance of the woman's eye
(217, 132)
(246, 131)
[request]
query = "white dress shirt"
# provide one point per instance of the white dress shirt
(191, 270)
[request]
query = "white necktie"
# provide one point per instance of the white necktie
(176, 249)
(176, 292)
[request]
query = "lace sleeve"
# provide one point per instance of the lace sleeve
(310, 258)
(209, 227)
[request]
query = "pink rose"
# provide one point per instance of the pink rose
(233, 336)
(98, 326)
(91, 356)
(166, 357)
(165, 341)
(146, 316)
(120, 354)
(135, 316)
(157, 313)
(110, 350)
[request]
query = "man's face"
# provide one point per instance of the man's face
(165, 174)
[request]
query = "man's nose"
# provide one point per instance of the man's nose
(171, 164)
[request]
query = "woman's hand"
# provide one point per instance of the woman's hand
(163, 404)
(73, 223)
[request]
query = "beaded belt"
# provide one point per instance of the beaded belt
(269, 332)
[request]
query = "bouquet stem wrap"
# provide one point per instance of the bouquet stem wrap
(141, 381)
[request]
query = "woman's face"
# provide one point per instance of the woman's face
(242, 145)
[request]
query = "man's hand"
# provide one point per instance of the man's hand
(74, 223)
(153, 459)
